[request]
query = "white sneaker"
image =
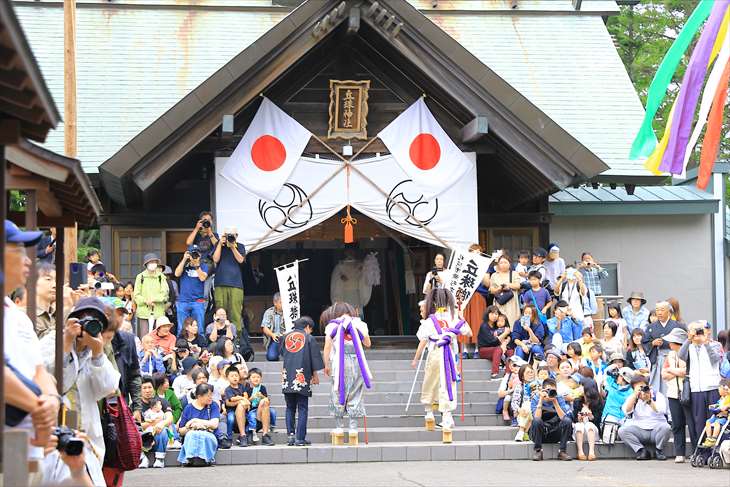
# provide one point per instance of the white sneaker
(679, 459)
(159, 463)
(176, 444)
(145, 462)
(519, 436)
(255, 438)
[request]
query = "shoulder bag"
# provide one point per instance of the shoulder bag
(504, 297)
(685, 395)
(121, 435)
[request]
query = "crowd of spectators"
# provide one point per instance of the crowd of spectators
(571, 368)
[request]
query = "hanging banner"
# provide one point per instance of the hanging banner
(288, 278)
(467, 271)
(450, 219)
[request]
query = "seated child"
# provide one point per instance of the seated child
(508, 384)
(528, 386)
(543, 372)
(260, 410)
(237, 405)
(153, 415)
(597, 364)
(523, 262)
(719, 415)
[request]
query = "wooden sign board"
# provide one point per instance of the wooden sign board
(348, 109)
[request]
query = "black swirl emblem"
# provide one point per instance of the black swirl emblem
(286, 207)
(406, 196)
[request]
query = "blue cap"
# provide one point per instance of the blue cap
(90, 304)
(13, 234)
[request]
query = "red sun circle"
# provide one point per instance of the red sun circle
(294, 342)
(268, 153)
(425, 151)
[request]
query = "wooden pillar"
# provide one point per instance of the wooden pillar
(60, 312)
(3, 211)
(69, 77)
(71, 244)
(31, 223)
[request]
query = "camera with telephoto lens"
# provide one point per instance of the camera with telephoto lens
(91, 325)
(67, 441)
(700, 331)
(229, 238)
(194, 254)
(552, 393)
(205, 223)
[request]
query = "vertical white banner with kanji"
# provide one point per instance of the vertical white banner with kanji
(288, 278)
(467, 271)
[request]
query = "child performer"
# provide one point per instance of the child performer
(441, 329)
(302, 359)
(345, 336)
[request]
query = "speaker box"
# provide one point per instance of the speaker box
(77, 274)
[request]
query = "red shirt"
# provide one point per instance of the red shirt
(166, 343)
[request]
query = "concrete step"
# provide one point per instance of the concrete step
(414, 420)
(400, 398)
(399, 386)
(406, 434)
(381, 409)
(401, 451)
(381, 365)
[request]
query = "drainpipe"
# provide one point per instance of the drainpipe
(718, 252)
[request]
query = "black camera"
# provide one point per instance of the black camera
(700, 331)
(205, 223)
(91, 325)
(229, 237)
(194, 254)
(645, 389)
(148, 441)
(552, 393)
(67, 441)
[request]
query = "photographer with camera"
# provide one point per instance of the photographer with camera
(88, 375)
(191, 300)
(206, 239)
(647, 425)
(552, 420)
(150, 294)
(228, 257)
(70, 460)
(438, 276)
(702, 356)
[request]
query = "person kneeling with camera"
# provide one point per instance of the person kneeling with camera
(647, 425)
(70, 460)
(88, 375)
(552, 421)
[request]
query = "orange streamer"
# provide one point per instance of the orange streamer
(711, 143)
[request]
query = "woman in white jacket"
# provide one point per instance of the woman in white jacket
(88, 375)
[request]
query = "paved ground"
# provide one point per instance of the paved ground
(441, 474)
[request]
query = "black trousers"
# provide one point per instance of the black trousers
(554, 433)
(297, 413)
(681, 417)
(700, 413)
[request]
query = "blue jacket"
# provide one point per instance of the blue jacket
(151, 365)
(570, 328)
(617, 396)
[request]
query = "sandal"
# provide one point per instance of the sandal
(581, 456)
(591, 458)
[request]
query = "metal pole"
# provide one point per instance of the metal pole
(31, 223)
(415, 379)
(3, 211)
(60, 312)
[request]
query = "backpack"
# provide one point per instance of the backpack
(725, 366)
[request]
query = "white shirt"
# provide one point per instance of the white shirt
(182, 385)
(645, 417)
(445, 276)
(23, 351)
(703, 376)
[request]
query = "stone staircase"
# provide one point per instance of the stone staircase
(393, 433)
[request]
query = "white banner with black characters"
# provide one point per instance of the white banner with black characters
(288, 278)
(452, 215)
(467, 271)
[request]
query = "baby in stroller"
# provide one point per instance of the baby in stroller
(717, 421)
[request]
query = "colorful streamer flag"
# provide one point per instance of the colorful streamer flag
(711, 144)
(268, 152)
(645, 140)
(689, 91)
(288, 278)
(424, 150)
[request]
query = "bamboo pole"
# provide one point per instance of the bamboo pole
(69, 78)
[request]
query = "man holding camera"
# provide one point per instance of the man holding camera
(648, 424)
(206, 239)
(552, 421)
(228, 257)
(191, 301)
(88, 375)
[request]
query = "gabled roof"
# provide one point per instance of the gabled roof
(130, 73)
(23, 92)
(646, 200)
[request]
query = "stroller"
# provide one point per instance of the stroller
(710, 455)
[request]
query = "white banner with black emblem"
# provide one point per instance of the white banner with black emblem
(288, 278)
(467, 271)
(450, 218)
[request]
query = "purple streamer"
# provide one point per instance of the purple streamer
(444, 342)
(342, 330)
(689, 93)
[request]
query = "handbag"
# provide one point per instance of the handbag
(685, 396)
(609, 432)
(504, 297)
(122, 438)
(272, 351)
(14, 415)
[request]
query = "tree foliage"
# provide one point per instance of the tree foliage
(643, 34)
